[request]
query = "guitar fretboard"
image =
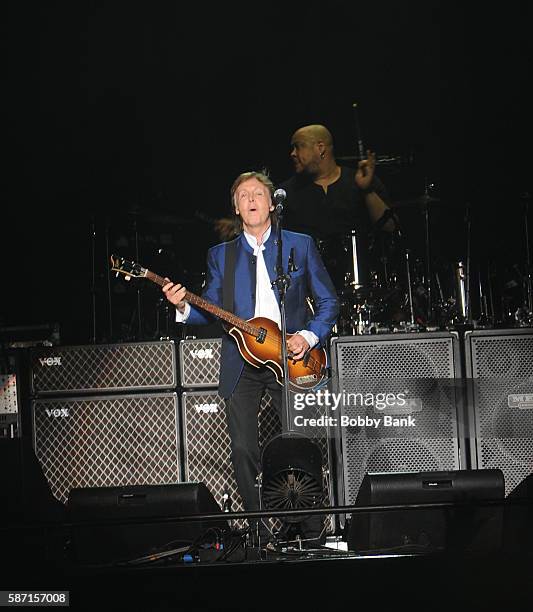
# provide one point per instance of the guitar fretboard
(208, 307)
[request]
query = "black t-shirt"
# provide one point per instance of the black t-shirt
(330, 217)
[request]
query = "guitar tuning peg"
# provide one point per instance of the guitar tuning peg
(116, 275)
(128, 278)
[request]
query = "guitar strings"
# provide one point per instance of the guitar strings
(196, 298)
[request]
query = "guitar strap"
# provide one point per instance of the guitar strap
(228, 288)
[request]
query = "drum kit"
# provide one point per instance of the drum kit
(402, 289)
(407, 289)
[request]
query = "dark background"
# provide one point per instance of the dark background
(122, 114)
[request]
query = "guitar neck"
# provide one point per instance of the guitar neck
(230, 318)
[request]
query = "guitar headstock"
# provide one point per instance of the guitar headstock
(128, 268)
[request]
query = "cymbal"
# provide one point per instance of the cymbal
(420, 201)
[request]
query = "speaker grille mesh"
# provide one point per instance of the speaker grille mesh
(105, 367)
(422, 368)
(503, 369)
(200, 362)
(207, 442)
(107, 441)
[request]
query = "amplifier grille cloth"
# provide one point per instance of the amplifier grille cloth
(200, 362)
(111, 367)
(102, 442)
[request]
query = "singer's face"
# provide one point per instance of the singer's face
(305, 153)
(253, 204)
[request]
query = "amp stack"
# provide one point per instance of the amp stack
(424, 372)
(457, 402)
(106, 415)
(206, 441)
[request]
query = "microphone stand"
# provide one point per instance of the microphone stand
(282, 283)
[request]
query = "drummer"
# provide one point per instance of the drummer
(327, 200)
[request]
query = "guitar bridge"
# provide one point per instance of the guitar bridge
(261, 336)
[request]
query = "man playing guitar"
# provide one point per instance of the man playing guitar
(250, 362)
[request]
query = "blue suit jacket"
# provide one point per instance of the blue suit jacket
(310, 279)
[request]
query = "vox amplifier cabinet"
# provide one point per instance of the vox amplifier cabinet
(207, 450)
(206, 441)
(199, 362)
(107, 441)
(95, 368)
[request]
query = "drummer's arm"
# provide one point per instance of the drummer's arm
(377, 209)
(374, 194)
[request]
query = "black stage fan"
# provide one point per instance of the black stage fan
(292, 474)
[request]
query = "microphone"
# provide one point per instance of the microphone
(279, 197)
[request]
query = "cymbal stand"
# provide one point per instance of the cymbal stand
(355, 260)
(410, 291)
(439, 287)
(492, 315)
(425, 204)
(139, 318)
(467, 310)
(483, 307)
(529, 280)
(360, 146)
(461, 290)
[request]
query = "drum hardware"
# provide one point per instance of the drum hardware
(461, 289)
(425, 206)
(360, 146)
(465, 279)
(525, 314)
(485, 320)
(355, 261)
(418, 201)
(409, 290)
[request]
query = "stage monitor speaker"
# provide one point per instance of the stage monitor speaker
(99, 368)
(499, 370)
(410, 383)
(199, 362)
(472, 528)
(107, 441)
(99, 542)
